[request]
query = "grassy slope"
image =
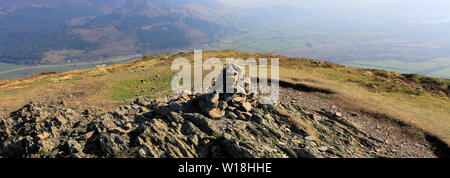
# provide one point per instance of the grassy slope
(407, 98)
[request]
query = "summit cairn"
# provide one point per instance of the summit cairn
(226, 121)
(237, 103)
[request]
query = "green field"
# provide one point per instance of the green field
(438, 67)
(363, 45)
(10, 71)
(6, 66)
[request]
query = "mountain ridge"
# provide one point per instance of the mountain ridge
(310, 89)
(68, 32)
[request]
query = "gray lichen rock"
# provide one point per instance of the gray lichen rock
(210, 125)
(158, 129)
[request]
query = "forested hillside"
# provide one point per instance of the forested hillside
(42, 32)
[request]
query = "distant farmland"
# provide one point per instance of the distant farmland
(10, 71)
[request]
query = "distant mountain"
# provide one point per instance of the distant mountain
(8, 6)
(58, 31)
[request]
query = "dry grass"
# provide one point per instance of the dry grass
(107, 86)
(426, 111)
(96, 83)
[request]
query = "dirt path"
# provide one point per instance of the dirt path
(399, 140)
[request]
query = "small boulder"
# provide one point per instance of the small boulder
(43, 135)
(323, 148)
(112, 144)
(247, 106)
(216, 113)
(185, 96)
(310, 138)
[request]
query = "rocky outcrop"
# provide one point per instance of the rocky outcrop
(182, 126)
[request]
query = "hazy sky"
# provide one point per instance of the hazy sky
(309, 3)
(401, 10)
(326, 4)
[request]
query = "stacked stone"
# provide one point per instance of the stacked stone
(236, 104)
